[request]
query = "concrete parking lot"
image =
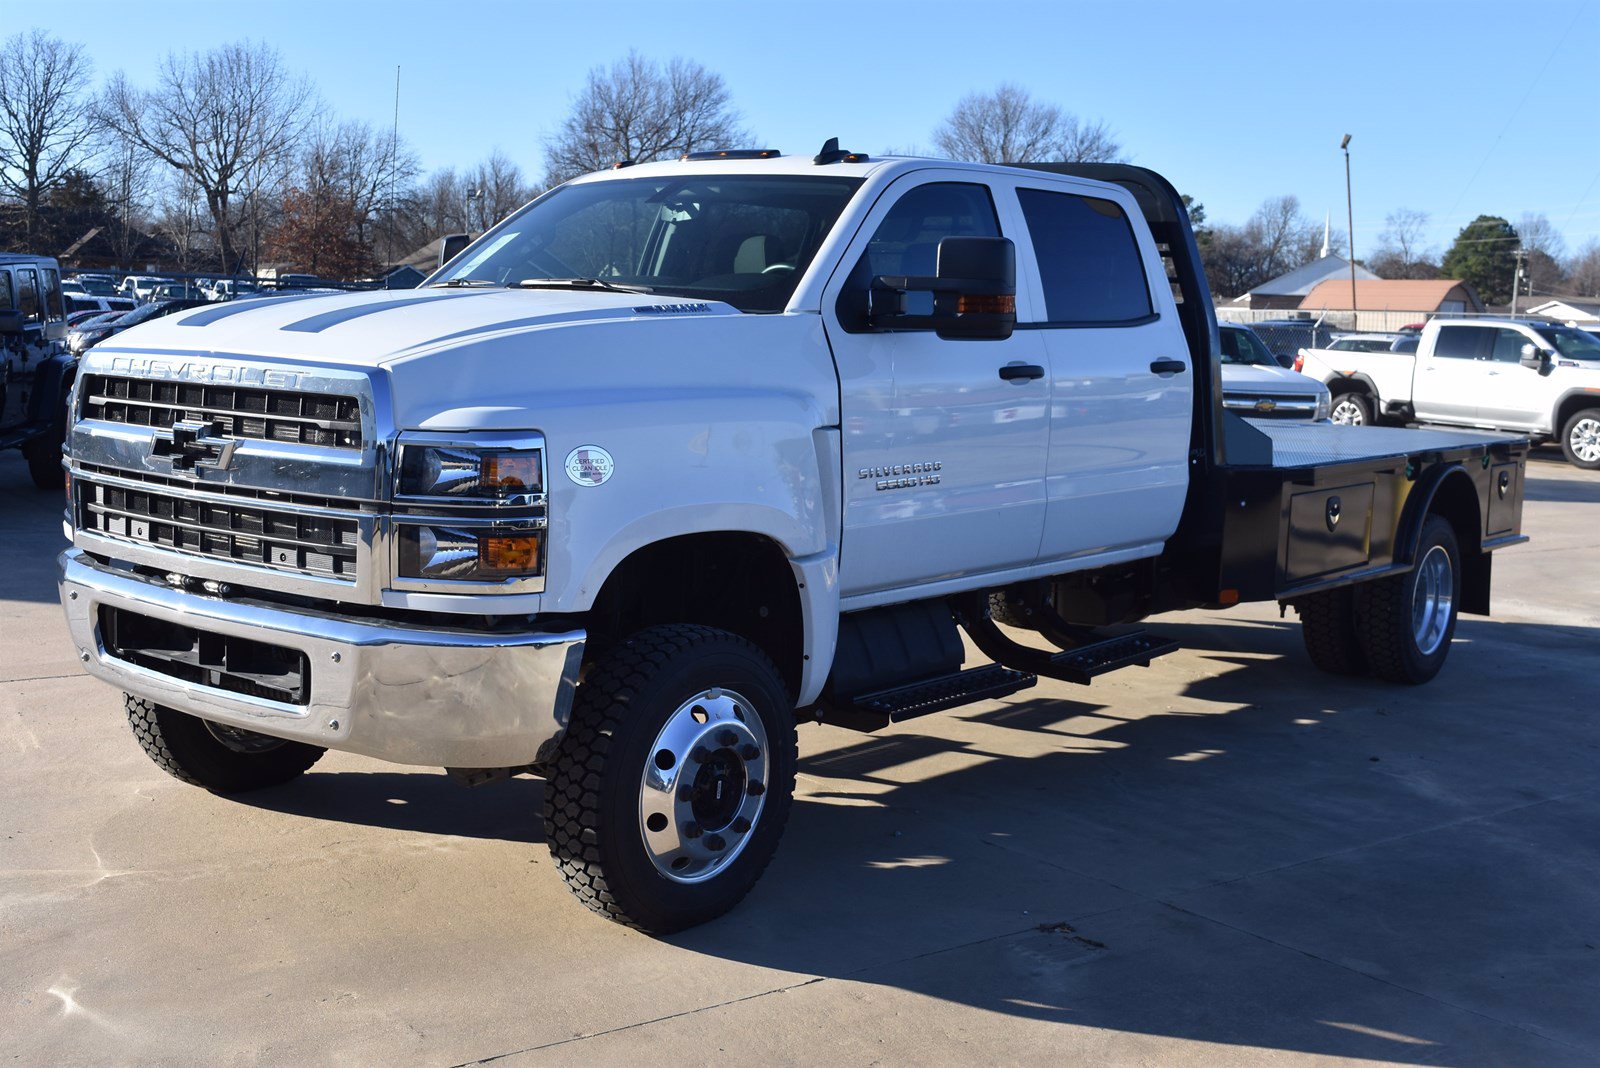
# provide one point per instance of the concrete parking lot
(1227, 858)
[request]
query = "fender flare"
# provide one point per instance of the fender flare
(1358, 377)
(1450, 491)
(1419, 505)
(51, 383)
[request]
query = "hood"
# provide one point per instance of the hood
(374, 328)
(1260, 377)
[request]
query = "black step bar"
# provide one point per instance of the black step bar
(875, 711)
(1086, 654)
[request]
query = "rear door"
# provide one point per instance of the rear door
(944, 460)
(1453, 375)
(1120, 414)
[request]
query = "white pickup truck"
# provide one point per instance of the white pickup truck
(682, 455)
(1530, 376)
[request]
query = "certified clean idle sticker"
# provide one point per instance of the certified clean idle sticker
(589, 465)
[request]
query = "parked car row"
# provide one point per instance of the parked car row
(95, 330)
(1526, 376)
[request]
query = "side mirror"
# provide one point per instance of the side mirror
(974, 289)
(451, 245)
(1534, 358)
(11, 323)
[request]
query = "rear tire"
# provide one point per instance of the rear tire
(1580, 439)
(664, 802)
(1352, 409)
(1406, 622)
(1328, 626)
(224, 760)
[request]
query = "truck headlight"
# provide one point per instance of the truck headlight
(1324, 407)
(468, 474)
(468, 553)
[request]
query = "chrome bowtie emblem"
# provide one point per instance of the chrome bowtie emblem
(1266, 404)
(193, 444)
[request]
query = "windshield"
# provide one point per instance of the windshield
(1241, 346)
(1573, 344)
(745, 239)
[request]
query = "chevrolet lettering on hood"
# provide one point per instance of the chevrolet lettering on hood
(197, 371)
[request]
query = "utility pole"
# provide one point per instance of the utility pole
(1350, 220)
(1516, 279)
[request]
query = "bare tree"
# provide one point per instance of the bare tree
(502, 190)
(225, 118)
(363, 168)
(1273, 241)
(1009, 126)
(1543, 271)
(1583, 270)
(1401, 252)
(181, 219)
(125, 176)
(47, 121)
(643, 111)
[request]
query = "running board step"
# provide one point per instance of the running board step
(875, 711)
(1086, 661)
(1088, 656)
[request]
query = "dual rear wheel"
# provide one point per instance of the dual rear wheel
(1397, 628)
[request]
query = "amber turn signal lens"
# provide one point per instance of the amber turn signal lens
(997, 304)
(508, 554)
(516, 472)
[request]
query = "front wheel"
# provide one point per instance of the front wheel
(1406, 622)
(1580, 439)
(224, 760)
(1351, 409)
(672, 784)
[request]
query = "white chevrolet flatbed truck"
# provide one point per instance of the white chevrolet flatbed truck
(1527, 376)
(682, 455)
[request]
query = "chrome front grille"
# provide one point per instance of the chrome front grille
(279, 534)
(1271, 405)
(307, 418)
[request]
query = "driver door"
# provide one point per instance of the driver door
(944, 460)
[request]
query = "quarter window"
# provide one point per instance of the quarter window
(7, 298)
(1088, 258)
(28, 295)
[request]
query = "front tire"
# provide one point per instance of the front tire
(1406, 622)
(1352, 409)
(673, 782)
(44, 460)
(224, 760)
(1580, 439)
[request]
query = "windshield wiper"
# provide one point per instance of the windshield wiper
(579, 283)
(455, 283)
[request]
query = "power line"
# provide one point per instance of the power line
(1516, 110)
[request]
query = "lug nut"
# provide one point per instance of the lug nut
(741, 825)
(755, 789)
(691, 830)
(685, 793)
(715, 843)
(700, 755)
(727, 738)
(749, 752)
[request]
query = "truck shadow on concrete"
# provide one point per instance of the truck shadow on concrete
(1231, 848)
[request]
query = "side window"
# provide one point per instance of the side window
(1088, 258)
(28, 295)
(1459, 342)
(907, 241)
(1508, 345)
(8, 299)
(52, 295)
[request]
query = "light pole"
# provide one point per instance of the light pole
(474, 194)
(1350, 221)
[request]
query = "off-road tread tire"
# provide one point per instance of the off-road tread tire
(1328, 627)
(572, 809)
(1566, 440)
(180, 745)
(1003, 612)
(1383, 615)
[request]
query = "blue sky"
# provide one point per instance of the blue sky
(1456, 108)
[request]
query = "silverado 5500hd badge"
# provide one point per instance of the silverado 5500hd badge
(903, 476)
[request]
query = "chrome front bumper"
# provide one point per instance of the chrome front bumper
(434, 696)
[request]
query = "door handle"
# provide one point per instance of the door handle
(1021, 372)
(1168, 367)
